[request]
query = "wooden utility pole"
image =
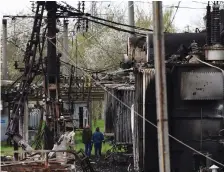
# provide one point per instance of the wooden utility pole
(161, 90)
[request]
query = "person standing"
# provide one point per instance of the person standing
(86, 139)
(97, 140)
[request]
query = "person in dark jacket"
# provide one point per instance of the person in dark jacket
(86, 139)
(97, 140)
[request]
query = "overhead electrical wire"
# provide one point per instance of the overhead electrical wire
(117, 28)
(193, 8)
(121, 24)
(95, 34)
(87, 15)
(154, 125)
(170, 23)
(90, 70)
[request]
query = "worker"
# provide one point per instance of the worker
(86, 139)
(97, 140)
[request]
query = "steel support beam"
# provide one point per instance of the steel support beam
(161, 90)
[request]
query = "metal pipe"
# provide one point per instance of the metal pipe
(4, 50)
(143, 115)
(131, 19)
(161, 91)
(134, 138)
(148, 47)
(25, 123)
(65, 45)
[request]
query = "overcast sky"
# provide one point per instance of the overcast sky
(185, 16)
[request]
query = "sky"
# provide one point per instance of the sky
(184, 16)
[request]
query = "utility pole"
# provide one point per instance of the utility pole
(4, 51)
(65, 45)
(52, 79)
(161, 90)
(131, 19)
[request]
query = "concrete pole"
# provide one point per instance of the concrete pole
(131, 19)
(4, 50)
(161, 90)
(65, 45)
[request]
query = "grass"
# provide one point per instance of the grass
(8, 150)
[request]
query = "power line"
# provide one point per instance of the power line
(200, 2)
(121, 24)
(173, 17)
(186, 7)
(117, 28)
(98, 18)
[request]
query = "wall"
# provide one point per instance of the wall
(117, 116)
(123, 132)
(108, 112)
(145, 134)
(76, 113)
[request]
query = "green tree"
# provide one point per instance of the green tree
(146, 20)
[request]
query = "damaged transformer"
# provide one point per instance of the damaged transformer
(195, 84)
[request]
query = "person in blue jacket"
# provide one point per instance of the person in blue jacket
(97, 140)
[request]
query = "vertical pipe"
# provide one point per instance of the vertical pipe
(143, 115)
(90, 113)
(148, 48)
(131, 19)
(25, 124)
(161, 91)
(65, 45)
(208, 25)
(4, 50)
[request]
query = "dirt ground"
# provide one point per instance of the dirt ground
(109, 165)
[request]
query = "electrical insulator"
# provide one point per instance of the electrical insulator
(194, 47)
(33, 6)
(79, 6)
(83, 6)
(215, 36)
